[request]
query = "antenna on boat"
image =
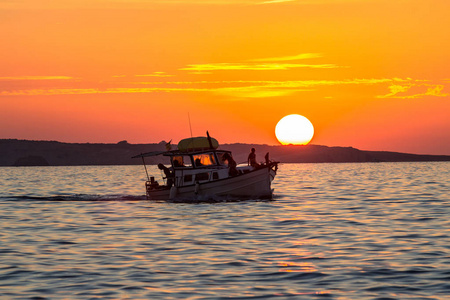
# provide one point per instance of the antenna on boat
(143, 161)
(209, 140)
(190, 127)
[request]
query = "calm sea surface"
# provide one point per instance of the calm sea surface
(333, 231)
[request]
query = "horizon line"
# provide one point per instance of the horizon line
(125, 142)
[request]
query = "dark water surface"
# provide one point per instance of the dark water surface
(333, 231)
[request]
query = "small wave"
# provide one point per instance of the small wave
(289, 222)
(305, 276)
(394, 289)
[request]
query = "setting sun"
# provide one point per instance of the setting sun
(294, 129)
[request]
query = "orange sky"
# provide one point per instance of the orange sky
(371, 74)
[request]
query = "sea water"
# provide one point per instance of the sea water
(332, 231)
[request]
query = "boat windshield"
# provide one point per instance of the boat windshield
(181, 161)
(204, 159)
(220, 158)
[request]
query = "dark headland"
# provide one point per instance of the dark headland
(50, 153)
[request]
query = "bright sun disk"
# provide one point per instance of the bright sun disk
(294, 129)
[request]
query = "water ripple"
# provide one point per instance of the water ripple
(333, 231)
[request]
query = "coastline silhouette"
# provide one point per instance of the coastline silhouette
(28, 153)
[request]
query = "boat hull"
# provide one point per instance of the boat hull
(254, 184)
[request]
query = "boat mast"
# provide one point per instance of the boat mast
(190, 126)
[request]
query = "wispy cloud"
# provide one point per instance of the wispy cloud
(398, 88)
(276, 1)
(120, 4)
(254, 66)
(156, 74)
(10, 78)
(255, 91)
(414, 91)
(262, 64)
(239, 92)
(290, 58)
(54, 92)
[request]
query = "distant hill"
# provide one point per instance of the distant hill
(42, 153)
(24, 152)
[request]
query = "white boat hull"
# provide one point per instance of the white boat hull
(254, 184)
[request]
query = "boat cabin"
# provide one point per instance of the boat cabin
(197, 167)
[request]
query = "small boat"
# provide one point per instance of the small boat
(200, 171)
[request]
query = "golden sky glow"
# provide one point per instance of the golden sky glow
(371, 74)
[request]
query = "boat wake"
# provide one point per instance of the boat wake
(78, 197)
(86, 197)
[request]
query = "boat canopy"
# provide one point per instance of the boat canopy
(197, 144)
(193, 145)
(196, 159)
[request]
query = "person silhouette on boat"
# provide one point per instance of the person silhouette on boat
(177, 163)
(198, 162)
(167, 173)
(232, 171)
(251, 160)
